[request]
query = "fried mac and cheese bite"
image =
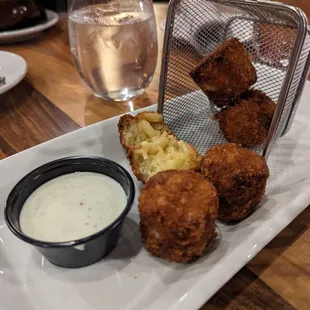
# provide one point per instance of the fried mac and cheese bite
(247, 122)
(152, 147)
(224, 74)
(134, 130)
(163, 153)
(239, 175)
(178, 210)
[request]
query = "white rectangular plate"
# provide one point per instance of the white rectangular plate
(129, 278)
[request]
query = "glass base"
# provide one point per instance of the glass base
(122, 95)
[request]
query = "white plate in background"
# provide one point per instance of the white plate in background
(28, 33)
(13, 68)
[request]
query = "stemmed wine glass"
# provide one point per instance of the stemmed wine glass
(114, 45)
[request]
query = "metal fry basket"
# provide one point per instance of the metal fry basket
(276, 37)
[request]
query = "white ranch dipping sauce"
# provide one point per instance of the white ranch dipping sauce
(72, 206)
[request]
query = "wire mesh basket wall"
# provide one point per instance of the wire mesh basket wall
(277, 39)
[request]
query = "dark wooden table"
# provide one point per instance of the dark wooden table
(52, 101)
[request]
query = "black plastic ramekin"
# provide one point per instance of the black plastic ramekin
(81, 252)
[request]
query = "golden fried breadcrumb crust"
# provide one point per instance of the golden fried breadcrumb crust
(239, 175)
(234, 213)
(178, 210)
(224, 74)
(249, 121)
(124, 123)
